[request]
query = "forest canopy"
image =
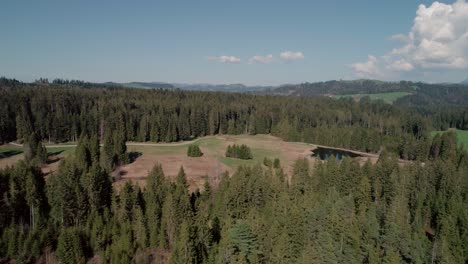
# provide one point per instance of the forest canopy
(63, 111)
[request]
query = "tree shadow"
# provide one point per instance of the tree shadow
(10, 153)
(58, 152)
(134, 155)
(53, 156)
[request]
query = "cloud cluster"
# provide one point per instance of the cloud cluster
(262, 59)
(369, 68)
(291, 55)
(225, 59)
(437, 40)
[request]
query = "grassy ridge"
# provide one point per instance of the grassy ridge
(217, 148)
(261, 145)
(386, 97)
(462, 136)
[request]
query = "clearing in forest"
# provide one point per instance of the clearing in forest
(213, 162)
(389, 98)
(174, 155)
(462, 136)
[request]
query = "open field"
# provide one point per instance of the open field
(11, 154)
(386, 97)
(213, 162)
(462, 136)
(172, 156)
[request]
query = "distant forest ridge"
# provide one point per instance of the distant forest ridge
(417, 94)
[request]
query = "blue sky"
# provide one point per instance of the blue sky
(183, 41)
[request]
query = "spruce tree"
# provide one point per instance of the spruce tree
(69, 247)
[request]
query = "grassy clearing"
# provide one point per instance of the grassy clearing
(213, 148)
(61, 151)
(158, 150)
(258, 156)
(4, 149)
(462, 136)
(9, 151)
(386, 97)
(261, 145)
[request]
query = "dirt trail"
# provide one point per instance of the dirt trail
(129, 143)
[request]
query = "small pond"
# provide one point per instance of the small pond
(325, 153)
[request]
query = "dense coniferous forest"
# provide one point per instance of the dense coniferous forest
(420, 94)
(334, 212)
(343, 87)
(63, 110)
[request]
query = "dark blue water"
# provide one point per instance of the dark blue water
(326, 153)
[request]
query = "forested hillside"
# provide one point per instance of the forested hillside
(337, 212)
(62, 111)
(334, 212)
(343, 87)
(421, 94)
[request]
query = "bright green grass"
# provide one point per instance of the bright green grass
(258, 156)
(8, 149)
(217, 147)
(61, 144)
(260, 145)
(462, 136)
(61, 150)
(210, 143)
(386, 97)
(158, 150)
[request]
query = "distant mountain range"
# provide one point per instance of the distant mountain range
(407, 93)
(328, 88)
(403, 92)
(237, 87)
(197, 87)
(333, 88)
(148, 85)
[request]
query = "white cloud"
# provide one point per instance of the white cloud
(437, 40)
(291, 55)
(400, 65)
(400, 37)
(225, 59)
(261, 59)
(370, 68)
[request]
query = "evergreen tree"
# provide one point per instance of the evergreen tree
(184, 248)
(154, 197)
(194, 151)
(69, 247)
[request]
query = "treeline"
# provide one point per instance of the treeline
(339, 212)
(422, 95)
(62, 112)
(239, 152)
(334, 87)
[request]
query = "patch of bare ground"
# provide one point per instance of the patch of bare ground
(197, 170)
(10, 161)
(47, 169)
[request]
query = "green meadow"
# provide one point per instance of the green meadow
(462, 136)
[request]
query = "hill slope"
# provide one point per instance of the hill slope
(412, 93)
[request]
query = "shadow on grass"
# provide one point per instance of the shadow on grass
(10, 153)
(53, 156)
(52, 153)
(132, 156)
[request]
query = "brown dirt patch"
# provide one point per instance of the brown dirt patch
(198, 170)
